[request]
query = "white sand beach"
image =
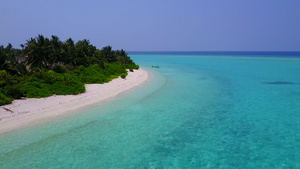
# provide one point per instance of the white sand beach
(31, 111)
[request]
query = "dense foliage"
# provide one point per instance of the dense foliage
(44, 67)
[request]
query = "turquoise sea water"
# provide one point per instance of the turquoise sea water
(203, 111)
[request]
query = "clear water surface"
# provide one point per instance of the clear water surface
(198, 111)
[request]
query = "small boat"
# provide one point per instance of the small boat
(155, 66)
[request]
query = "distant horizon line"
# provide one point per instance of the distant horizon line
(209, 51)
(235, 53)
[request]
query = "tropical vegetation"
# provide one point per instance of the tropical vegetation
(44, 67)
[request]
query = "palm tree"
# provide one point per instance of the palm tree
(123, 57)
(8, 60)
(108, 54)
(3, 57)
(69, 47)
(57, 52)
(22, 46)
(37, 51)
(83, 50)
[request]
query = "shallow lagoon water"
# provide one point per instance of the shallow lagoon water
(196, 112)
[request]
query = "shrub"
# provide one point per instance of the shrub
(4, 100)
(54, 83)
(70, 67)
(14, 92)
(132, 66)
(123, 75)
(96, 74)
(70, 84)
(60, 68)
(131, 70)
(92, 74)
(35, 89)
(3, 77)
(93, 60)
(114, 69)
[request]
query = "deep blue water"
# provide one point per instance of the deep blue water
(198, 111)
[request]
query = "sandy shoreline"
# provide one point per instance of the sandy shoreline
(32, 111)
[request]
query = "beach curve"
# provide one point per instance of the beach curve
(32, 111)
